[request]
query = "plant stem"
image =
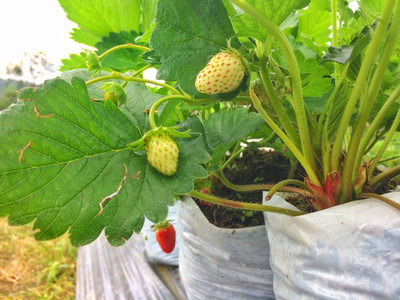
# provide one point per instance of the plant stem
(115, 75)
(324, 112)
(360, 83)
(234, 154)
(261, 187)
(157, 103)
(137, 73)
(384, 145)
(351, 165)
(374, 127)
(294, 71)
(382, 198)
(334, 23)
(283, 183)
(119, 47)
(244, 205)
(277, 105)
(303, 161)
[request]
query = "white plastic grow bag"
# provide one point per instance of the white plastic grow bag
(217, 263)
(350, 251)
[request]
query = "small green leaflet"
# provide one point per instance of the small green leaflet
(63, 154)
(226, 127)
(74, 61)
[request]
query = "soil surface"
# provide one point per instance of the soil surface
(262, 167)
(254, 166)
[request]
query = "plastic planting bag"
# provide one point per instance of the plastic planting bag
(350, 251)
(217, 263)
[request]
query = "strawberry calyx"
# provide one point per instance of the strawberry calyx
(160, 225)
(170, 131)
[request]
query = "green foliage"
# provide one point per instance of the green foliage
(124, 59)
(96, 19)
(69, 162)
(186, 36)
(225, 128)
(275, 10)
(75, 61)
(79, 164)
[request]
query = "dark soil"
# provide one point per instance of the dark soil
(262, 167)
(254, 166)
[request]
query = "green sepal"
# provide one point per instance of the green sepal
(115, 93)
(93, 62)
(160, 225)
(171, 131)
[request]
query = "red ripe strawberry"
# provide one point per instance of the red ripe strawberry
(165, 236)
(223, 74)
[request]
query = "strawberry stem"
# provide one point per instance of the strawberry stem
(115, 75)
(297, 92)
(119, 47)
(361, 80)
(374, 127)
(157, 103)
(296, 152)
(283, 186)
(350, 170)
(244, 205)
(140, 71)
(262, 187)
(382, 198)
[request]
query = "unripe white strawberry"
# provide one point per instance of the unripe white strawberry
(223, 74)
(163, 153)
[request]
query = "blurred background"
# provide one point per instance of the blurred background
(35, 37)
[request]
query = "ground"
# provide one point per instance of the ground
(35, 270)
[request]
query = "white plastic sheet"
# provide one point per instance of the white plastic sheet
(153, 250)
(350, 251)
(217, 263)
(105, 272)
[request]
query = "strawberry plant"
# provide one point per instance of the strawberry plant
(103, 146)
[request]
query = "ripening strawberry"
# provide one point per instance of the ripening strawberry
(223, 74)
(163, 153)
(165, 236)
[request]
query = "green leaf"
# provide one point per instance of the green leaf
(63, 153)
(317, 81)
(226, 127)
(274, 10)
(345, 53)
(187, 34)
(372, 7)
(139, 101)
(121, 60)
(97, 18)
(75, 61)
(336, 110)
(148, 13)
(315, 78)
(314, 25)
